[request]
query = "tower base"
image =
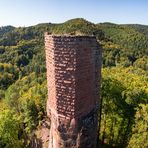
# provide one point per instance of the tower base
(74, 133)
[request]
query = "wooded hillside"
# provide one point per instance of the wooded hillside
(123, 112)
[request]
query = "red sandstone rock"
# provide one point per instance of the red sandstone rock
(73, 75)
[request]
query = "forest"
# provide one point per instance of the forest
(123, 114)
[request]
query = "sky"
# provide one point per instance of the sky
(31, 12)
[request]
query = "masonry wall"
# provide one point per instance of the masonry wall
(73, 76)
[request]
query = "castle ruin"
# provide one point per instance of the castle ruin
(73, 76)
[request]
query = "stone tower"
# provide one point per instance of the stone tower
(73, 76)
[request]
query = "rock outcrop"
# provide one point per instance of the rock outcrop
(73, 76)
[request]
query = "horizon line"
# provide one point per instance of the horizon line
(30, 25)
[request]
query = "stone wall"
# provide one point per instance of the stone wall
(73, 76)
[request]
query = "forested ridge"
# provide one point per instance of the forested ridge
(123, 116)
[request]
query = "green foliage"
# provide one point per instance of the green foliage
(9, 130)
(30, 88)
(125, 44)
(5, 29)
(8, 74)
(142, 63)
(140, 133)
(27, 99)
(122, 91)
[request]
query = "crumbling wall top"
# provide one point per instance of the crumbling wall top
(68, 35)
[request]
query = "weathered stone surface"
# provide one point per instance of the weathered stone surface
(73, 76)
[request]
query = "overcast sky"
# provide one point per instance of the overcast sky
(31, 12)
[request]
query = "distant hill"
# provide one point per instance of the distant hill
(127, 43)
(122, 44)
(141, 28)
